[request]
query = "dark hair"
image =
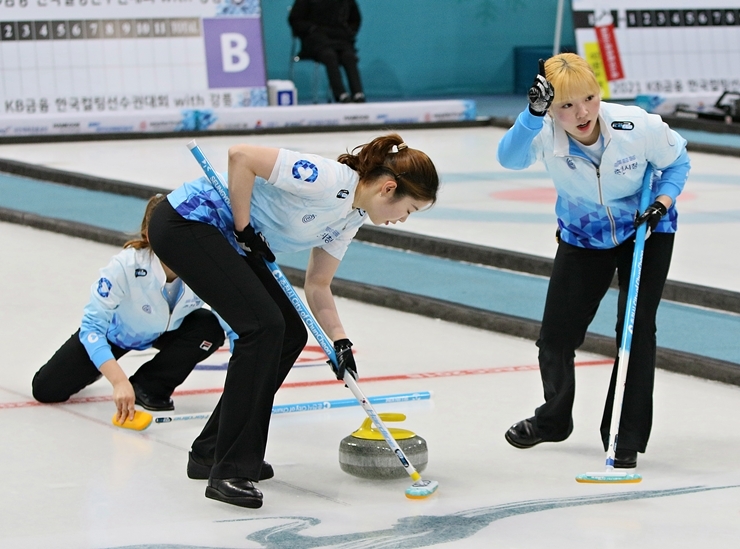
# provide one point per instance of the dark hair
(142, 241)
(387, 156)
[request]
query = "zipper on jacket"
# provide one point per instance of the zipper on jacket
(610, 216)
(179, 297)
(612, 223)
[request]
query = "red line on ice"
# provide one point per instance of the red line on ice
(297, 384)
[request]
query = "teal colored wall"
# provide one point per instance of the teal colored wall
(428, 48)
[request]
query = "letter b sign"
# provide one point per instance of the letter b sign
(234, 55)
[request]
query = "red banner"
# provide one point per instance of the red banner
(609, 52)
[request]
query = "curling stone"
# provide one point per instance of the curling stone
(366, 454)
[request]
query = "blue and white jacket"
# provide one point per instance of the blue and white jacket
(596, 205)
(305, 203)
(128, 306)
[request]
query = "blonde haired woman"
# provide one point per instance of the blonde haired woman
(596, 154)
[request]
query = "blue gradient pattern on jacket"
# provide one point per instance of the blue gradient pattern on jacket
(596, 205)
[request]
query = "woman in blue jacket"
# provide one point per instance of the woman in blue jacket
(596, 154)
(137, 302)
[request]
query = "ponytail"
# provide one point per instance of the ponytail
(389, 156)
(142, 241)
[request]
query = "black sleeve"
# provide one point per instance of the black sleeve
(355, 19)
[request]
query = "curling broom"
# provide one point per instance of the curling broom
(609, 475)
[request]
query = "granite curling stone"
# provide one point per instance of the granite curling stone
(366, 454)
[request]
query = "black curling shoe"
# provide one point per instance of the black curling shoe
(199, 468)
(236, 491)
(625, 459)
(149, 402)
(521, 435)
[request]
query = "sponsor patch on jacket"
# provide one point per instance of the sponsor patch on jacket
(147, 309)
(308, 218)
(571, 164)
(344, 193)
(305, 171)
(104, 286)
(329, 235)
(192, 302)
(623, 165)
(139, 272)
(206, 345)
(623, 125)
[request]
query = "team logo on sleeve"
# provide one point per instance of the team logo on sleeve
(147, 309)
(308, 218)
(92, 337)
(623, 125)
(104, 286)
(305, 171)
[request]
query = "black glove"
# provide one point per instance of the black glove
(254, 243)
(651, 216)
(345, 359)
(541, 93)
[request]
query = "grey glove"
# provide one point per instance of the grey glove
(541, 93)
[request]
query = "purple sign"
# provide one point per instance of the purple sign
(234, 54)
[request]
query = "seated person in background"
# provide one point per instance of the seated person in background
(136, 303)
(327, 29)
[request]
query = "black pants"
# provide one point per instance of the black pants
(70, 369)
(579, 281)
(271, 336)
(332, 59)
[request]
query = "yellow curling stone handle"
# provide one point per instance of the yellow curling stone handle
(140, 422)
(367, 430)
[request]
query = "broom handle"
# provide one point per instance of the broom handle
(629, 321)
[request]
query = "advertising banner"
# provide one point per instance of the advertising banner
(660, 47)
(247, 119)
(87, 66)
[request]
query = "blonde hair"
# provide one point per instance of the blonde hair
(388, 155)
(571, 76)
(142, 241)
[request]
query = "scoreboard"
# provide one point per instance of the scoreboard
(660, 47)
(127, 65)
